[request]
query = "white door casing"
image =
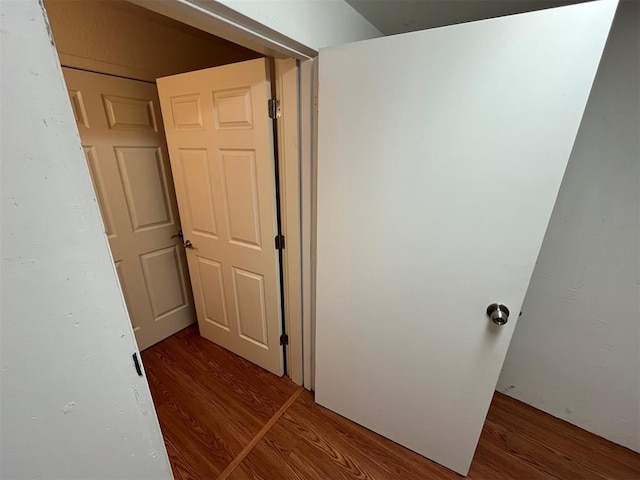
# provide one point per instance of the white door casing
(221, 148)
(123, 140)
(441, 153)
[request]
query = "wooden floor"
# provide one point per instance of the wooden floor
(223, 417)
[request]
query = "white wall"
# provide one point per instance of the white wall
(576, 350)
(278, 28)
(119, 37)
(72, 404)
(315, 24)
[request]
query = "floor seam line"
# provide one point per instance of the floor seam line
(260, 435)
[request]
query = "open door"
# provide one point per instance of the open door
(220, 141)
(123, 142)
(440, 156)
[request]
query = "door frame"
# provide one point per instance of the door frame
(287, 141)
(293, 65)
(296, 142)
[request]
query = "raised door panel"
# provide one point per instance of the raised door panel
(127, 295)
(99, 185)
(232, 109)
(164, 279)
(186, 112)
(250, 305)
(200, 207)
(145, 186)
(125, 113)
(79, 109)
(212, 293)
(241, 197)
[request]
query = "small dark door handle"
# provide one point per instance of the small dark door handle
(188, 244)
(179, 234)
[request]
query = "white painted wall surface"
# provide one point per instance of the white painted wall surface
(122, 38)
(313, 23)
(576, 350)
(72, 405)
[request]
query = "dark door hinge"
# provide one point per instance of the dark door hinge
(279, 242)
(136, 363)
(284, 339)
(274, 108)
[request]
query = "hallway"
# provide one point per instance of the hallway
(222, 417)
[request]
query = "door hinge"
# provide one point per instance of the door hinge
(274, 108)
(136, 364)
(279, 242)
(284, 339)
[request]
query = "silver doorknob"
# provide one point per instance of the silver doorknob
(498, 313)
(188, 244)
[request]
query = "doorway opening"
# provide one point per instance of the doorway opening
(111, 54)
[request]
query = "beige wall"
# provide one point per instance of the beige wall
(114, 36)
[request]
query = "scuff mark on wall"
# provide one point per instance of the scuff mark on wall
(69, 407)
(139, 401)
(46, 23)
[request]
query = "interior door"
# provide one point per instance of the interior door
(221, 148)
(123, 141)
(441, 153)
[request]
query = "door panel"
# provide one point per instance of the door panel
(232, 108)
(127, 295)
(241, 197)
(101, 191)
(441, 153)
(209, 272)
(221, 148)
(200, 205)
(145, 186)
(250, 306)
(125, 113)
(126, 153)
(164, 277)
(79, 111)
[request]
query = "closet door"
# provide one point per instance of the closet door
(123, 140)
(441, 153)
(221, 146)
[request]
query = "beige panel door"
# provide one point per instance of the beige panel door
(123, 139)
(221, 148)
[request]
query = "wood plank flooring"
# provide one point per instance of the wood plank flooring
(210, 402)
(214, 406)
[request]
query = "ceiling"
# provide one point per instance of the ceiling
(401, 16)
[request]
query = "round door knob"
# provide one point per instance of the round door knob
(498, 313)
